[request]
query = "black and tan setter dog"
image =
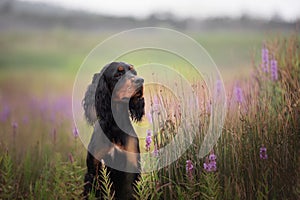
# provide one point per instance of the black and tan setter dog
(116, 97)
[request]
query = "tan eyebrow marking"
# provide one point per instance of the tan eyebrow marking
(130, 67)
(120, 68)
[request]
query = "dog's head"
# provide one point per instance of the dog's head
(123, 82)
(119, 82)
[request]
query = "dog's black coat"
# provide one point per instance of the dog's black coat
(113, 134)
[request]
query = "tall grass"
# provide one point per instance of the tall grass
(40, 158)
(263, 111)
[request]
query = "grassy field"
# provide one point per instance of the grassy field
(41, 158)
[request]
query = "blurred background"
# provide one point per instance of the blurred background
(44, 42)
(55, 35)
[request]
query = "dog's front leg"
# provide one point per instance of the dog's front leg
(89, 178)
(98, 148)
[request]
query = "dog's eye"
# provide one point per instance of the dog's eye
(117, 75)
(130, 67)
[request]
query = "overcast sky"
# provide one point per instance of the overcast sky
(287, 9)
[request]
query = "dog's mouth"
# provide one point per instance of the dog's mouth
(137, 93)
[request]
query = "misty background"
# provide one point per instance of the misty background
(56, 36)
(30, 16)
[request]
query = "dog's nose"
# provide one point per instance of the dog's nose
(139, 80)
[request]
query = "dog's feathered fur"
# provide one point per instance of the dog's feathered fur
(110, 94)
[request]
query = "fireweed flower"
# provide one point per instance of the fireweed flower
(263, 153)
(212, 161)
(213, 166)
(71, 158)
(148, 140)
(206, 164)
(156, 105)
(238, 93)
(212, 156)
(189, 168)
(149, 117)
(218, 87)
(75, 132)
(25, 119)
(265, 58)
(149, 132)
(14, 132)
(274, 71)
(14, 125)
(155, 151)
(5, 113)
(210, 164)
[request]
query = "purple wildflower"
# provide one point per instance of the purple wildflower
(156, 105)
(210, 164)
(189, 168)
(148, 140)
(238, 94)
(265, 58)
(218, 87)
(274, 72)
(149, 132)
(263, 153)
(62, 103)
(25, 119)
(212, 156)
(149, 117)
(213, 166)
(155, 151)
(4, 113)
(206, 164)
(71, 158)
(75, 132)
(14, 126)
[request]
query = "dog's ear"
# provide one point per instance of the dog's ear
(137, 108)
(88, 101)
(103, 99)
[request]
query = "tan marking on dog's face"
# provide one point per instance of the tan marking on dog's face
(125, 89)
(120, 68)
